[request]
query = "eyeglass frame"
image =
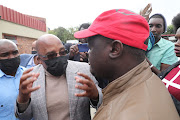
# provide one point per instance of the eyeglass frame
(55, 54)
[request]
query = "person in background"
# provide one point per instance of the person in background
(83, 56)
(119, 37)
(30, 60)
(74, 53)
(82, 27)
(34, 48)
(10, 73)
(162, 54)
(171, 76)
(63, 90)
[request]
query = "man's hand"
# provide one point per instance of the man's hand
(88, 86)
(83, 56)
(73, 51)
(25, 87)
(146, 11)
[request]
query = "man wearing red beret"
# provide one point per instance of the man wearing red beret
(119, 38)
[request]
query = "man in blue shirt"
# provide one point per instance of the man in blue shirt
(10, 73)
(162, 54)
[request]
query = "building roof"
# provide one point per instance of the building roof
(13, 16)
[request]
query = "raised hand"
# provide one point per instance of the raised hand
(25, 87)
(146, 11)
(88, 86)
(73, 51)
(83, 56)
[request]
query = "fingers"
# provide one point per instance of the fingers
(81, 59)
(88, 86)
(83, 55)
(84, 75)
(26, 82)
(83, 87)
(33, 89)
(74, 49)
(89, 91)
(27, 75)
(28, 90)
(28, 70)
(83, 81)
(84, 94)
(24, 94)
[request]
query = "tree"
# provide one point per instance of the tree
(64, 34)
(170, 30)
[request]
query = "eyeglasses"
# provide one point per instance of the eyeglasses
(53, 54)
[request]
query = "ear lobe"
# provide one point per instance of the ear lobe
(117, 48)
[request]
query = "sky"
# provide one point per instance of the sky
(72, 13)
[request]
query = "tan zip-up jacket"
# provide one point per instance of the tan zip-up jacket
(137, 95)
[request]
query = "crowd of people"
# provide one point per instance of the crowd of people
(118, 76)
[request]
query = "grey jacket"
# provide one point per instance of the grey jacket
(79, 107)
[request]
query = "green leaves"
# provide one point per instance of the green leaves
(64, 34)
(170, 30)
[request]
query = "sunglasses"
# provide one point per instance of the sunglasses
(54, 54)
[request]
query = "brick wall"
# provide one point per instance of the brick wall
(25, 44)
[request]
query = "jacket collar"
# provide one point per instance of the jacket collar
(128, 80)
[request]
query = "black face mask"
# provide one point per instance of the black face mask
(57, 66)
(9, 66)
(33, 52)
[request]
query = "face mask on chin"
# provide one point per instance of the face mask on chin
(57, 66)
(10, 66)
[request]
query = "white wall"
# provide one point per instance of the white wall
(19, 30)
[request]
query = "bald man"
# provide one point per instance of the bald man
(57, 89)
(10, 73)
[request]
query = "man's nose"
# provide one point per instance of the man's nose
(58, 55)
(178, 42)
(153, 29)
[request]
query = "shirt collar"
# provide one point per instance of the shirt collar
(160, 43)
(2, 73)
(20, 68)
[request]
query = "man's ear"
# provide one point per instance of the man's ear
(39, 60)
(117, 48)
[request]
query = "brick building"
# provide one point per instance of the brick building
(20, 28)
